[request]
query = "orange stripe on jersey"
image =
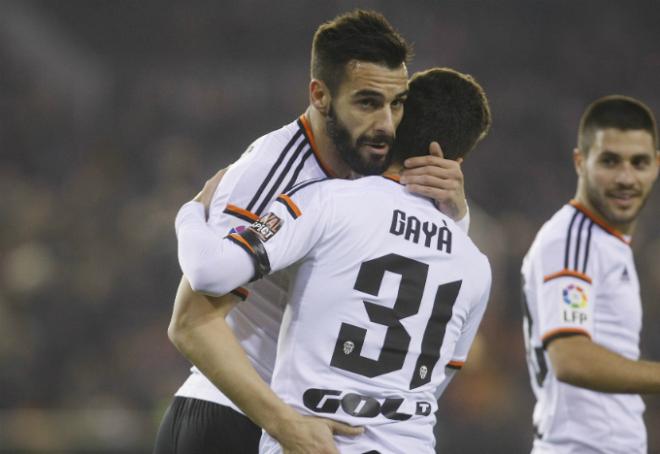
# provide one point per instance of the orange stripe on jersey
(240, 212)
(567, 273)
(392, 177)
(598, 220)
(455, 364)
(312, 142)
(241, 293)
(559, 332)
(290, 204)
(241, 240)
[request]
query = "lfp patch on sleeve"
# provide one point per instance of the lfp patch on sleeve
(575, 303)
(267, 226)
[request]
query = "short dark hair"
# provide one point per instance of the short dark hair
(358, 35)
(445, 106)
(618, 112)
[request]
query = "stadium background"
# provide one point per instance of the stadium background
(113, 113)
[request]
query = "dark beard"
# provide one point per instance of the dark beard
(342, 140)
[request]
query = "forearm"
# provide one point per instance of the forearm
(580, 362)
(199, 331)
(213, 348)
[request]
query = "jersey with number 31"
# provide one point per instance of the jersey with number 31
(385, 301)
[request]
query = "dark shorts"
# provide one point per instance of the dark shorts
(192, 426)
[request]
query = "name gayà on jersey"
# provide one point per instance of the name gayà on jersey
(426, 233)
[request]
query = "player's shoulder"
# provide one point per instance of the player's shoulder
(372, 185)
(555, 232)
(476, 258)
(572, 227)
(267, 148)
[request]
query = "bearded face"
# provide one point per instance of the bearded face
(365, 154)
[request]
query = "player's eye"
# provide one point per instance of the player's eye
(367, 103)
(609, 161)
(641, 162)
(398, 103)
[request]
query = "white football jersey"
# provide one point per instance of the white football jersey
(384, 304)
(579, 278)
(273, 164)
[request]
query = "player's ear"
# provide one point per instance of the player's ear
(319, 96)
(578, 160)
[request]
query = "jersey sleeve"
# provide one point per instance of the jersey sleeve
(239, 190)
(464, 222)
(288, 232)
(239, 185)
(565, 290)
(212, 265)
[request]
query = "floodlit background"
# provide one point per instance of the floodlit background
(113, 113)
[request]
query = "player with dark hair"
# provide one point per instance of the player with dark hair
(386, 295)
(358, 87)
(419, 126)
(583, 312)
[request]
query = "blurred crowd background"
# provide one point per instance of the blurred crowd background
(114, 113)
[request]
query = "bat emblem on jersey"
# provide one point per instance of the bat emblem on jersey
(348, 347)
(267, 226)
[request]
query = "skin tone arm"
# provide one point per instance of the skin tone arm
(580, 362)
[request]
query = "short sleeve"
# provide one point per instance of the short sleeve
(236, 191)
(566, 291)
(288, 232)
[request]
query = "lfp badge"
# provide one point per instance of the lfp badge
(574, 296)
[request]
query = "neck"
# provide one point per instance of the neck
(394, 169)
(324, 144)
(625, 228)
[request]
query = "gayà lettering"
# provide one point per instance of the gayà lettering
(426, 233)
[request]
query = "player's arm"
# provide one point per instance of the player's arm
(199, 330)
(204, 337)
(441, 180)
(579, 361)
(567, 301)
(215, 266)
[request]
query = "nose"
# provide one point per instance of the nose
(385, 122)
(626, 175)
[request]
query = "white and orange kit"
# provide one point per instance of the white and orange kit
(273, 164)
(579, 278)
(385, 299)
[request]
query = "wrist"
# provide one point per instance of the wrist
(281, 423)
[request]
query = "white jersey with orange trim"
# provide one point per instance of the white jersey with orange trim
(579, 278)
(273, 164)
(384, 304)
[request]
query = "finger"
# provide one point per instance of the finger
(460, 161)
(339, 428)
(432, 181)
(436, 150)
(428, 160)
(437, 172)
(220, 173)
(432, 192)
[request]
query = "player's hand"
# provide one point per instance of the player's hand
(311, 435)
(438, 178)
(205, 196)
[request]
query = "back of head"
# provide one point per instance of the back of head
(359, 35)
(445, 106)
(616, 112)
